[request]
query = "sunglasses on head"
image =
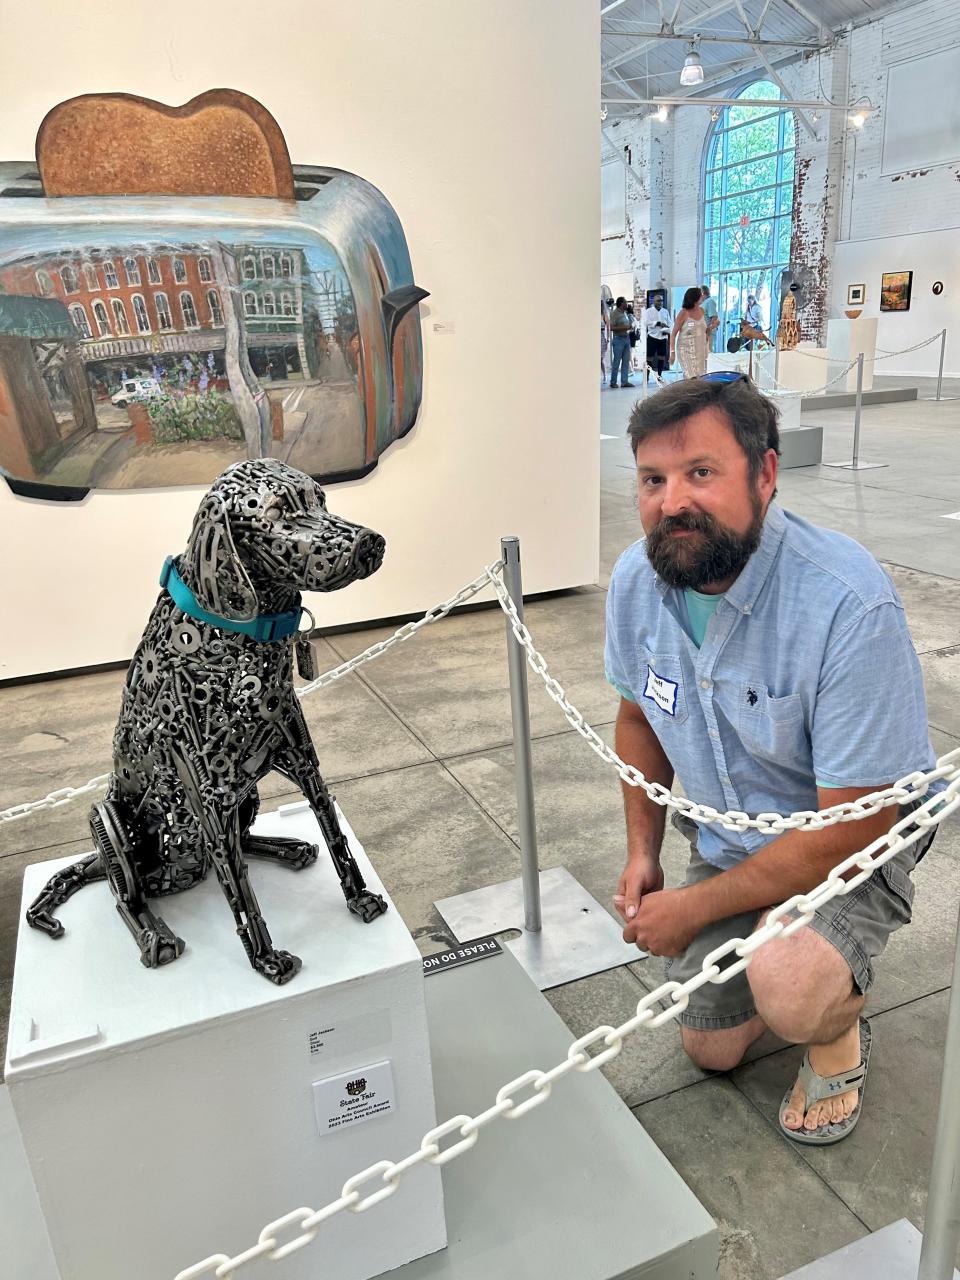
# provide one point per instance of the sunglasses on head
(725, 375)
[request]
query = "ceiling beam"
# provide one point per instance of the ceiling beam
(684, 36)
(797, 7)
(807, 124)
(689, 100)
(714, 11)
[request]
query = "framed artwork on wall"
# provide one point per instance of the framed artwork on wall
(895, 290)
(856, 294)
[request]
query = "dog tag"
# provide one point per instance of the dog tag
(306, 663)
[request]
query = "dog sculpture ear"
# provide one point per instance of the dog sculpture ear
(220, 583)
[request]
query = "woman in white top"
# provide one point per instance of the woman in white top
(688, 341)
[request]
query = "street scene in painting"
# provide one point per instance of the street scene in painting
(130, 363)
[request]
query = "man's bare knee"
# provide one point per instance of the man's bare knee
(720, 1050)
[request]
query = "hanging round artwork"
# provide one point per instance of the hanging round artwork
(938, 287)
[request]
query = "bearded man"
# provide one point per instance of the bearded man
(766, 664)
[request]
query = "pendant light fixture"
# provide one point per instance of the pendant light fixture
(692, 72)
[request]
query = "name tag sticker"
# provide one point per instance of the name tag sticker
(662, 692)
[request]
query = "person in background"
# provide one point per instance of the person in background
(710, 311)
(658, 321)
(634, 336)
(753, 315)
(604, 337)
(688, 341)
(621, 322)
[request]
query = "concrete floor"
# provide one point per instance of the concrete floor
(418, 745)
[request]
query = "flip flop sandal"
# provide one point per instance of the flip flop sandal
(817, 1087)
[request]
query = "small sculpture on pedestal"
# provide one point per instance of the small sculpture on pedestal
(209, 709)
(788, 331)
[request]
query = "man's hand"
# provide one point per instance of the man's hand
(666, 923)
(643, 874)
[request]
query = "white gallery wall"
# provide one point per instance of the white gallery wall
(478, 123)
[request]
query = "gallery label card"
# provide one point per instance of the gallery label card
(349, 1099)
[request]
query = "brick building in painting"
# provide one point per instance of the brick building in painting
(136, 311)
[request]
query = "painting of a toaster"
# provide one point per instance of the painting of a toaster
(151, 340)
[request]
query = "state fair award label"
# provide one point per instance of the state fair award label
(342, 1101)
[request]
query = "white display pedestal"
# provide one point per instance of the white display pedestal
(805, 369)
(169, 1114)
(845, 340)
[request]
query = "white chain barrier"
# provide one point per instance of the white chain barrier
(381, 1180)
(67, 794)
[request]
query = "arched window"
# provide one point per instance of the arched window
(140, 314)
(153, 270)
(216, 311)
(119, 316)
(203, 266)
(269, 266)
(164, 318)
(102, 319)
(250, 307)
(189, 311)
(747, 205)
(286, 266)
(90, 276)
(45, 284)
(287, 304)
(269, 303)
(69, 278)
(248, 268)
(110, 274)
(179, 271)
(132, 270)
(79, 318)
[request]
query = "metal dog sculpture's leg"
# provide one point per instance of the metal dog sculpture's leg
(298, 762)
(58, 889)
(157, 942)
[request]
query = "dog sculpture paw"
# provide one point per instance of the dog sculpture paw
(159, 946)
(278, 966)
(367, 905)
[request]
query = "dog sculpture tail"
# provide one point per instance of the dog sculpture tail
(61, 886)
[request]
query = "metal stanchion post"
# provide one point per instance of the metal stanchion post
(856, 464)
(566, 933)
(943, 350)
(941, 1232)
(858, 411)
(523, 757)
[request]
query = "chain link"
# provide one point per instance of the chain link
(67, 794)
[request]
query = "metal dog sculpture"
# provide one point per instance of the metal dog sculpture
(209, 709)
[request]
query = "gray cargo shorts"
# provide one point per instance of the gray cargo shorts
(858, 924)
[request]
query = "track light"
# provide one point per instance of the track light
(692, 72)
(858, 119)
(662, 114)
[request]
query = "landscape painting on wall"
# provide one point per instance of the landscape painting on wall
(150, 341)
(895, 290)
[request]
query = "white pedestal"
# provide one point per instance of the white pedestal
(788, 402)
(805, 369)
(845, 340)
(169, 1114)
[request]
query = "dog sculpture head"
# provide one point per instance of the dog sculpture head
(264, 527)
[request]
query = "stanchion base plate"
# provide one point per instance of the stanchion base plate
(893, 1252)
(577, 938)
(857, 466)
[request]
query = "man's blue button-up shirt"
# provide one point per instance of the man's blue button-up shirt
(806, 672)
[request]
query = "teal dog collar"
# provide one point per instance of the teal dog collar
(264, 628)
